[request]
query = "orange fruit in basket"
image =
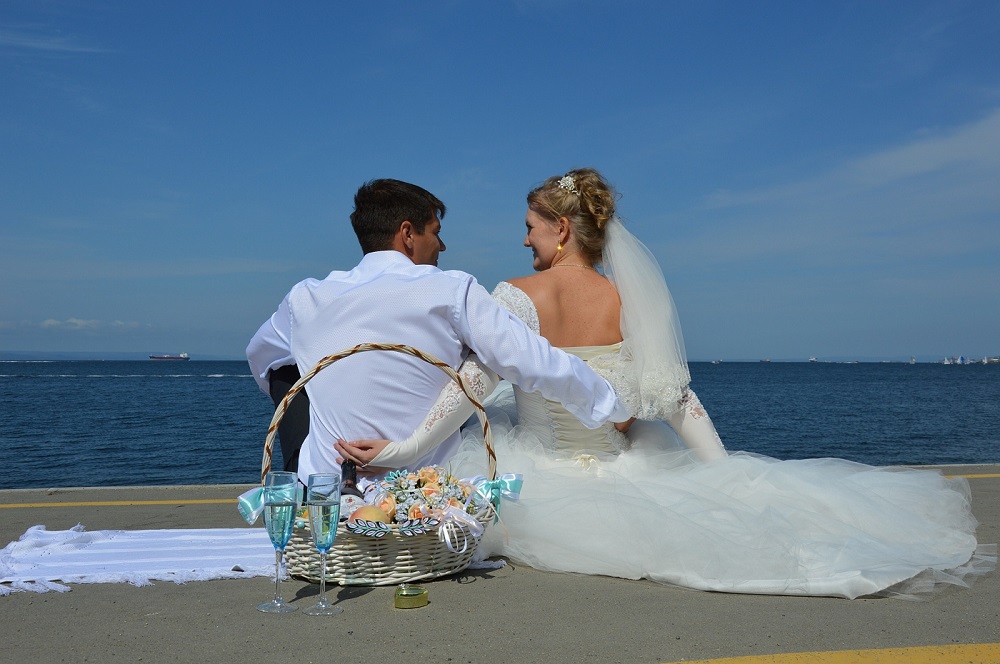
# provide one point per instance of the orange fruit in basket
(370, 513)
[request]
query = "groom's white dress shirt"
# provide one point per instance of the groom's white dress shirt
(385, 395)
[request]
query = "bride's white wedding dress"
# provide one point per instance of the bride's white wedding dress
(644, 506)
(647, 505)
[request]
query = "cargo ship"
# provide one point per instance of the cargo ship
(182, 356)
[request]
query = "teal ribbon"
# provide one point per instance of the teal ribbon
(251, 504)
(506, 486)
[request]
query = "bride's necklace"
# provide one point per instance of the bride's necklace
(589, 267)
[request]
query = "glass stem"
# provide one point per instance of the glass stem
(322, 578)
(277, 576)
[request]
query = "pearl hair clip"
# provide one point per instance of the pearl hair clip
(569, 184)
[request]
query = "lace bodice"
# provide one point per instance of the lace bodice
(549, 420)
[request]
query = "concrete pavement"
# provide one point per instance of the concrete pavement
(511, 614)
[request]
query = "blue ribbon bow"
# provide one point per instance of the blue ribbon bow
(251, 504)
(506, 486)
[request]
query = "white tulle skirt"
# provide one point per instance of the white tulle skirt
(746, 524)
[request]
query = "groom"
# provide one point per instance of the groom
(396, 294)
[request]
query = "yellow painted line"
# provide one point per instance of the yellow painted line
(954, 654)
(113, 503)
(223, 501)
(976, 477)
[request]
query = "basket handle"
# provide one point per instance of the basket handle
(279, 412)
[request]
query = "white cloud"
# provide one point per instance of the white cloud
(37, 262)
(975, 145)
(34, 39)
(71, 324)
(893, 251)
(933, 196)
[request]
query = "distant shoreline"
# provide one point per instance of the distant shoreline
(43, 356)
(18, 356)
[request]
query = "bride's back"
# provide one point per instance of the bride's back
(577, 306)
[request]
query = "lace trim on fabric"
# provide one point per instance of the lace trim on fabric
(451, 396)
(696, 411)
(618, 440)
(517, 302)
(664, 386)
(692, 405)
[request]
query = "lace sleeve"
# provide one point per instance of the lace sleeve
(451, 409)
(517, 302)
(694, 426)
(480, 380)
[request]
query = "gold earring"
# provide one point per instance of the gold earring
(559, 247)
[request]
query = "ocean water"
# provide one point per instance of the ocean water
(122, 423)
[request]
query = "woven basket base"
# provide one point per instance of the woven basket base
(360, 560)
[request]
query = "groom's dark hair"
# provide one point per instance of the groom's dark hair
(380, 206)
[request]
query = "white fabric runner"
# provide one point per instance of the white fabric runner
(41, 558)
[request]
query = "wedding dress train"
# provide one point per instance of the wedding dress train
(745, 523)
(647, 506)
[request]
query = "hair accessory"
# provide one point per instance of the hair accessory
(568, 183)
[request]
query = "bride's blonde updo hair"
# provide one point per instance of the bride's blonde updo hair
(585, 198)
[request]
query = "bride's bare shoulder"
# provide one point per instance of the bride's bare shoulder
(526, 279)
(534, 286)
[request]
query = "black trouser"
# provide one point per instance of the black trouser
(295, 424)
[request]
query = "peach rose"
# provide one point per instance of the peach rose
(388, 505)
(429, 475)
(455, 502)
(418, 511)
(430, 489)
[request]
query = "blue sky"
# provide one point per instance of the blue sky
(816, 178)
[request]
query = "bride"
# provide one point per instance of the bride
(668, 503)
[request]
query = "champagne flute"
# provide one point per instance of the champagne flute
(323, 500)
(280, 503)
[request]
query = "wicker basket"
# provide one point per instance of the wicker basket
(396, 557)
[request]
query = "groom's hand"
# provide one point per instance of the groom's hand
(361, 452)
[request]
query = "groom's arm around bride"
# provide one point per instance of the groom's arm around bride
(396, 294)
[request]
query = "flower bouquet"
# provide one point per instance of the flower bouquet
(404, 495)
(419, 501)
